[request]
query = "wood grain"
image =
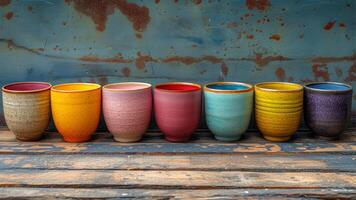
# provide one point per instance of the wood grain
(105, 193)
(199, 162)
(161, 179)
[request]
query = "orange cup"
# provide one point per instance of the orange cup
(76, 110)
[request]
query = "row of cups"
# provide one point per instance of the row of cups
(127, 108)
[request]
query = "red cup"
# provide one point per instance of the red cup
(177, 108)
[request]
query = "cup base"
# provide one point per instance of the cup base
(277, 138)
(127, 140)
(227, 139)
(173, 139)
(76, 139)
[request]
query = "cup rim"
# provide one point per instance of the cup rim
(178, 83)
(259, 86)
(49, 86)
(106, 87)
(307, 87)
(98, 87)
(206, 88)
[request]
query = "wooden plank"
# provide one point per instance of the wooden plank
(200, 162)
(154, 148)
(104, 193)
(175, 179)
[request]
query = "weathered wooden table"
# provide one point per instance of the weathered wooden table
(302, 168)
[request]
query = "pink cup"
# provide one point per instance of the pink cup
(177, 108)
(127, 109)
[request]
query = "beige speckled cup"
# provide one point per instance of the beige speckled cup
(27, 109)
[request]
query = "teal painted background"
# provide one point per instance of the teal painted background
(155, 41)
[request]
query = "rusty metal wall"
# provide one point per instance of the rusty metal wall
(154, 41)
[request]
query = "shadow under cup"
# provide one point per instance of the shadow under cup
(327, 108)
(177, 108)
(228, 108)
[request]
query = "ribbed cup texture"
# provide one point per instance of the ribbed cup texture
(76, 114)
(27, 115)
(278, 113)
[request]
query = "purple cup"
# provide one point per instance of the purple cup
(327, 108)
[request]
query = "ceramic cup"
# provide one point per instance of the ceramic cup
(327, 108)
(127, 109)
(228, 108)
(278, 109)
(27, 109)
(177, 108)
(76, 110)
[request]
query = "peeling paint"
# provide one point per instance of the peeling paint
(281, 74)
(99, 10)
(275, 37)
(126, 71)
(258, 4)
(142, 59)
(321, 71)
(263, 61)
(9, 15)
(351, 73)
(117, 59)
(329, 25)
(4, 3)
(331, 59)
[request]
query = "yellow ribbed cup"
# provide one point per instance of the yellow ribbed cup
(76, 110)
(278, 109)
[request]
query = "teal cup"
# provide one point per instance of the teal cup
(228, 108)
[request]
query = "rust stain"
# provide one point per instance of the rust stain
(321, 71)
(157, 1)
(321, 59)
(197, 2)
(258, 4)
(342, 25)
(281, 74)
(29, 8)
(4, 3)
(188, 60)
(9, 15)
(126, 71)
(224, 69)
(275, 37)
(351, 73)
(103, 80)
(231, 25)
(116, 59)
(329, 25)
(142, 59)
(249, 36)
(99, 10)
(137, 15)
(10, 44)
(263, 61)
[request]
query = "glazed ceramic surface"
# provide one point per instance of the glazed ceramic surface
(327, 108)
(228, 107)
(278, 109)
(76, 110)
(127, 109)
(27, 109)
(177, 109)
